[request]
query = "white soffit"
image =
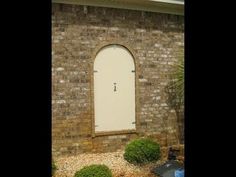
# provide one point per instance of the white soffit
(170, 1)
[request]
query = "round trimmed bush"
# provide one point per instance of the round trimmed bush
(54, 167)
(94, 171)
(142, 151)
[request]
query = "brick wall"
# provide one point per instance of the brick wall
(154, 39)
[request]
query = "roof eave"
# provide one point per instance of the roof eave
(143, 5)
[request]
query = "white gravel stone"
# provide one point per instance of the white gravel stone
(68, 165)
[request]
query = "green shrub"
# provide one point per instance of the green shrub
(94, 171)
(54, 167)
(142, 151)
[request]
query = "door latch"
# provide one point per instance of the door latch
(114, 87)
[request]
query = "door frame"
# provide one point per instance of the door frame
(97, 50)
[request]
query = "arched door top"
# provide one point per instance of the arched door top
(115, 47)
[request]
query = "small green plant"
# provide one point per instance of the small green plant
(175, 93)
(141, 151)
(94, 171)
(176, 86)
(54, 167)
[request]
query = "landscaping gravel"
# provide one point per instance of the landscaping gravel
(68, 165)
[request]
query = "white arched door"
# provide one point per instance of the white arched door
(114, 89)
